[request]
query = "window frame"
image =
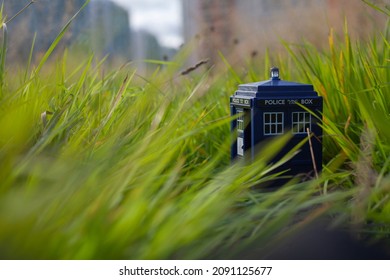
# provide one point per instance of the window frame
(240, 121)
(300, 122)
(273, 124)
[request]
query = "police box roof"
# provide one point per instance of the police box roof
(275, 88)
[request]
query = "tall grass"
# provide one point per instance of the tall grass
(114, 165)
(120, 168)
(353, 78)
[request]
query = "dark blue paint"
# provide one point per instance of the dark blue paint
(278, 96)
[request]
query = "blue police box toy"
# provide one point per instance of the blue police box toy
(270, 108)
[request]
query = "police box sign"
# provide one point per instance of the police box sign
(241, 101)
(288, 102)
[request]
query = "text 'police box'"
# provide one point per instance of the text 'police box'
(274, 107)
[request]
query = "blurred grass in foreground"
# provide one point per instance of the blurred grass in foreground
(98, 165)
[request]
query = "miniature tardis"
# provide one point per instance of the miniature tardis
(270, 108)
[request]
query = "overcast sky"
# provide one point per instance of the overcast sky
(162, 18)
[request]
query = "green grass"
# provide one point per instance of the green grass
(353, 78)
(114, 165)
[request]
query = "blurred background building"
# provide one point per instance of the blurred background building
(241, 29)
(102, 28)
